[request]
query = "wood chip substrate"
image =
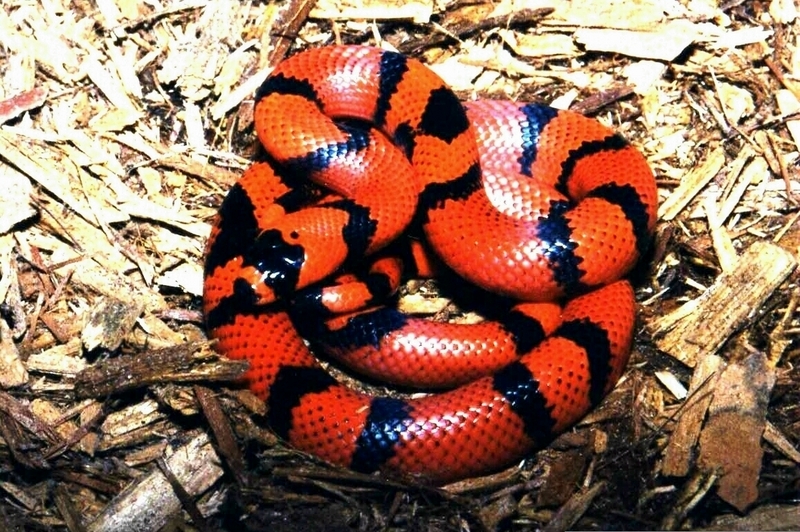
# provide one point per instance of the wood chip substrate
(124, 122)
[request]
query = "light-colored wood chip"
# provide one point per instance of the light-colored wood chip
(732, 301)
(540, 45)
(418, 11)
(109, 322)
(130, 419)
(15, 202)
(148, 503)
(62, 359)
(691, 185)
(664, 42)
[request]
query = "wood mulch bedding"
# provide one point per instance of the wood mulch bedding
(123, 123)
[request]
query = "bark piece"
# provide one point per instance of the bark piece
(149, 503)
(730, 443)
(680, 450)
(109, 323)
(731, 302)
(189, 362)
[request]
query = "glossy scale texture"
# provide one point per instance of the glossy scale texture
(521, 199)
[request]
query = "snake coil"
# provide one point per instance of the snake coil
(523, 200)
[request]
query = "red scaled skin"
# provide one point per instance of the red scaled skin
(488, 237)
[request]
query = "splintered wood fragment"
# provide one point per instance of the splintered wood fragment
(131, 426)
(12, 370)
(777, 439)
(720, 238)
(574, 508)
(21, 414)
(680, 450)
(597, 101)
(76, 436)
(15, 310)
(730, 442)
(789, 104)
(670, 381)
(538, 45)
(31, 159)
(458, 25)
(694, 490)
(24, 432)
(110, 321)
(665, 43)
(745, 172)
(186, 500)
(420, 12)
(486, 483)
(26, 501)
(781, 337)
(15, 203)
(497, 511)
(767, 517)
(188, 362)
(286, 26)
(733, 300)
(203, 170)
(61, 359)
(86, 239)
(123, 111)
(149, 502)
(223, 433)
(692, 184)
(66, 505)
